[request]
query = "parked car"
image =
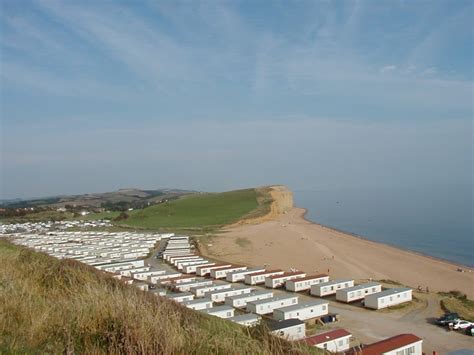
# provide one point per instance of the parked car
(447, 318)
(469, 330)
(460, 324)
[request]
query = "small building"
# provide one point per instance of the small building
(305, 283)
(279, 280)
(399, 344)
(180, 296)
(206, 270)
(330, 287)
(239, 275)
(173, 259)
(180, 265)
(147, 274)
(183, 279)
(388, 298)
(221, 273)
(167, 275)
(220, 295)
(259, 277)
(191, 269)
(302, 311)
(248, 319)
(268, 305)
(290, 329)
(198, 304)
(186, 286)
(335, 341)
(201, 290)
(223, 311)
(240, 301)
(357, 293)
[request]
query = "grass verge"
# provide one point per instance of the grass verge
(458, 302)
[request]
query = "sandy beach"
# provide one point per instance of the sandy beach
(288, 240)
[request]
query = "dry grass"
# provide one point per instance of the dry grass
(456, 301)
(53, 306)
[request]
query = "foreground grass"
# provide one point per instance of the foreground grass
(456, 301)
(53, 306)
(199, 210)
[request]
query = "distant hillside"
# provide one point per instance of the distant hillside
(203, 210)
(98, 199)
(64, 307)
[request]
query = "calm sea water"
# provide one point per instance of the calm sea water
(436, 222)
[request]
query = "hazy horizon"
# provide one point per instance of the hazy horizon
(214, 96)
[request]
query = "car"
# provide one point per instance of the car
(469, 330)
(460, 324)
(447, 318)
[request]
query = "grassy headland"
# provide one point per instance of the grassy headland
(205, 210)
(62, 306)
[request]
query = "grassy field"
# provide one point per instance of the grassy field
(62, 306)
(199, 210)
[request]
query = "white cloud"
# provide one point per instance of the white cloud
(388, 69)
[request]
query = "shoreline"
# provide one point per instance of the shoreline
(289, 240)
(406, 250)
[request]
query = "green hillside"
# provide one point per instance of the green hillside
(58, 307)
(200, 210)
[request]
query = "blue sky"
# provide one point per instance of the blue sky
(214, 95)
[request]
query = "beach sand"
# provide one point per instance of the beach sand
(290, 241)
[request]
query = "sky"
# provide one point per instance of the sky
(217, 95)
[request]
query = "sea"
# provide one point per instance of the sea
(436, 222)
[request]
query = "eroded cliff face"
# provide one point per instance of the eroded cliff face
(281, 202)
(282, 199)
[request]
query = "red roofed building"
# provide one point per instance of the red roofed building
(335, 340)
(403, 344)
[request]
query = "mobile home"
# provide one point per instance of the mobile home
(268, 305)
(279, 280)
(240, 301)
(219, 311)
(302, 311)
(237, 276)
(336, 340)
(247, 319)
(180, 265)
(290, 329)
(191, 269)
(331, 287)
(259, 277)
(198, 304)
(180, 296)
(220, 295)
(201, 290)
(169, 275)
(186, 286)
(147, 274)
(357, 293)
(221, 273)
(206, 270)
(388, 298)
(305, 283)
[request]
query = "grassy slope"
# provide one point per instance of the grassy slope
(53, 306)
(455, 301)
(197, 211)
